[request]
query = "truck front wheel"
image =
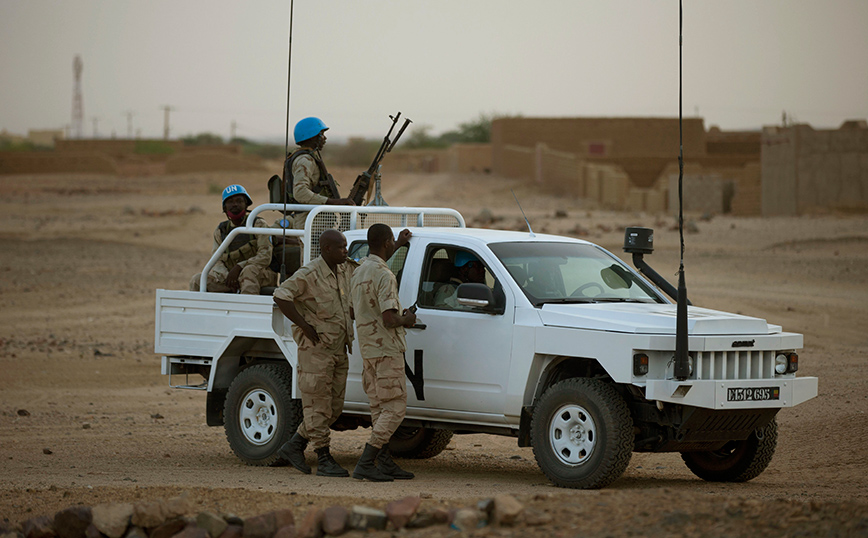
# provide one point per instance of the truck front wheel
(260, 414)
(582, 434)
(737, 461)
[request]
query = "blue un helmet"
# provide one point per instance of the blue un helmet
(308, 128)
(463, 258)
(232, 190)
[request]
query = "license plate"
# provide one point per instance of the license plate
(752, 394)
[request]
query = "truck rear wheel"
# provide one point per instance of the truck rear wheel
(260, 414)
(418, 443)
(582, 434)
(737, 461)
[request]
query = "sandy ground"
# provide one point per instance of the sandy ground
(86, 417)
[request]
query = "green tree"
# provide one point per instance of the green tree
(203, 139)
(477, 130)
(420, 137)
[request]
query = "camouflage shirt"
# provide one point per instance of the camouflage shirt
(375, 290)
(257, 252)
(322, 297)
(305, 176)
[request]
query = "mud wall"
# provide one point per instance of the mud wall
(46, 162)
(128, 157)
(469, 158)
(806, 170)
(598, 138)
(416, 160)
(206, 161)
(642, 150)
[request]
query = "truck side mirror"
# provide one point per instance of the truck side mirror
(475, 295)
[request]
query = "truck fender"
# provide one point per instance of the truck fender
(547, 370)
(228, 362)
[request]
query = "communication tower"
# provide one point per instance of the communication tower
(166, 110)
(77, 105)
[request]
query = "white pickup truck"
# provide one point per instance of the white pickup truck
(564, 347)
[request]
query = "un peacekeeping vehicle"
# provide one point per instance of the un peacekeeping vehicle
(562, 346)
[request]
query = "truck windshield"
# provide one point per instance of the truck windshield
(571, 273)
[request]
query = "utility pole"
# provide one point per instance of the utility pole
(77, 101)
(95, 124)
(232, 128)
(129, 114)
(166, 110)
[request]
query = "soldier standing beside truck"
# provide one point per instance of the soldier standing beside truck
(316, 298)
(382, 346)
(244, 265)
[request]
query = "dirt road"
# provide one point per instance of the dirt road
(86, 417)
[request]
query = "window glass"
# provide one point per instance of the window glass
(571, 273)
(445, 269)
(359, 250)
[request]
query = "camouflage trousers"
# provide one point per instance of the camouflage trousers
(251, 279)
(322, 381)
(385, 384)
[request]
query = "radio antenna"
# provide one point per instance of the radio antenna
(284, 222)
(682, 366)
(522, 213)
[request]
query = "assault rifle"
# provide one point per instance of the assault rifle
(363, 182)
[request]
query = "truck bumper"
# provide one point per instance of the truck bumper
(733, 393)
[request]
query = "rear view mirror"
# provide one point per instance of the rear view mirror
(616, 277)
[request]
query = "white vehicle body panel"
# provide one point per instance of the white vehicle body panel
(481, 369)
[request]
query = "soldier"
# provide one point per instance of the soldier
(470, 269)
(310, 179)
(316, 298)
(382, 345)
(244, 265)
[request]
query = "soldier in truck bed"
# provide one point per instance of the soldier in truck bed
(310, 179)
(244, 265)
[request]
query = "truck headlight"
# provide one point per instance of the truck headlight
(781, 364)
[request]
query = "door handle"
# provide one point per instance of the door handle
(420, 326)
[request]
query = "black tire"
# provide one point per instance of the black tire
(738, 461)
(582, 434)
(418, 443)
(260, 413)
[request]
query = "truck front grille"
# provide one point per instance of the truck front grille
(734, 364)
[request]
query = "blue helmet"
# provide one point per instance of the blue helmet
(308, 128)
(233, 190)
(463, 258)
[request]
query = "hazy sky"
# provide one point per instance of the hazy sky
(440, 62)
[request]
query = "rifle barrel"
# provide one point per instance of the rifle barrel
(407, 122)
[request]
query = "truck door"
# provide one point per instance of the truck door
(462, 357)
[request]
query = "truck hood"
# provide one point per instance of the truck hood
(643, 318)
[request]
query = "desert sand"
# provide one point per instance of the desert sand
(86, 417)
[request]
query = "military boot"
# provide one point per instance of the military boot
(389, 467)
(366, 469)
(326, 464)
(293, 452)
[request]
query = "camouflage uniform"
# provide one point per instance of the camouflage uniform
(252, 254)
(322, 297)
(447, 294)
(375, 290)
(305, 186)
